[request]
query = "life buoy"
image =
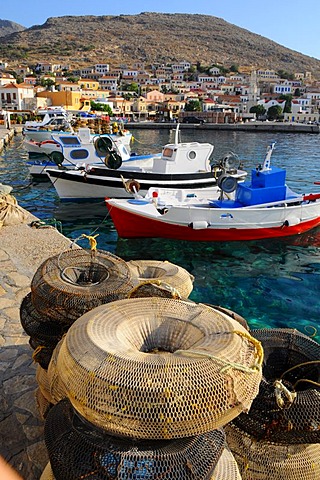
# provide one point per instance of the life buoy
(156, 368)
(132, 186)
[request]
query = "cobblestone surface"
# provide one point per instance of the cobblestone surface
(22, 250)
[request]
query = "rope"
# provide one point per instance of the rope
(37, 351)
(92, 240)
(311, 362)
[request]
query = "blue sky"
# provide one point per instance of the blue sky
(293, 24)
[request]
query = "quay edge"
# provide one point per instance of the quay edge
(283, 127)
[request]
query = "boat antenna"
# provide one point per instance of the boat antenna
(267, 160)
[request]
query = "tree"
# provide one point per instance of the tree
(100, 107)
(288, 99)
(193, 106)
(259, 110)
(274, 113)
(297, 92)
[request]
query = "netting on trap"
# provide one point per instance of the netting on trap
(164, 272)
(69, 284)
(43, 382)
(77, 450)
(260, 460)
(154, 288)
(231, 314)
(45, 332)
(47, 473)
(42, 403)
(287, 408)
(156, 368)
(227, 467)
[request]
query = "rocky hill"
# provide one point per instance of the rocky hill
(150, 37)
(7, 27)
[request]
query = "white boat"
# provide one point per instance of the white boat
(53, 119)
(263, 208)
(179, 166)
(69, 150)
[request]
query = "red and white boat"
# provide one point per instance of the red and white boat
(263, 208)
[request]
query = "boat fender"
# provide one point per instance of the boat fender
(57, 158)
(199, 225)
(132, 186)
(113, 160)
(227, 183)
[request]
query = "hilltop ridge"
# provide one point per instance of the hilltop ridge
(150, 38)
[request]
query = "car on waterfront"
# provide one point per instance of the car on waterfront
(193, 119)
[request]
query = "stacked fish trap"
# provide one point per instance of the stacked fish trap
(142, 388)
(63, 288)
(279, 438)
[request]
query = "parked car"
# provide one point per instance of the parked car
(193, 119)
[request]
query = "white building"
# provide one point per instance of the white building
(15, 97)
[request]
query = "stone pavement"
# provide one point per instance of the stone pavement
(22, 250)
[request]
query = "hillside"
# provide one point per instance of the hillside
(7, 27)
(150, 37)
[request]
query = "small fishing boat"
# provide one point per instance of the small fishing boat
(66, 150)
(263, 208)
(180, 165)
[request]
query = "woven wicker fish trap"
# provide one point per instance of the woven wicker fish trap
(227, 467)
(67, 285)
(231, 314)
(260, 460)
(154, 288)
(287, 408)
(43, 331)
(156, 368)
(77, 449)
(165, 272)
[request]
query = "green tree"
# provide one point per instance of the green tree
(193, 106)
(101, 107)
(288, 99)
(297, 92)
(259, 110)
(274, 113)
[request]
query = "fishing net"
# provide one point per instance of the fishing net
(78, 449)
(43, 382)
(226, 468)
(260, 460)
(166, 272)
(69, 284)
(156, 368)
(10, 212)
(287, 408)
(47, 473)
(43, 331)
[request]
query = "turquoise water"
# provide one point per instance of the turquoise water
(271, 283)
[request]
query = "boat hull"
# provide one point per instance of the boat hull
(132, 223)
(76, 185)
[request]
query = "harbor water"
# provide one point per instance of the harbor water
(271, 283)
